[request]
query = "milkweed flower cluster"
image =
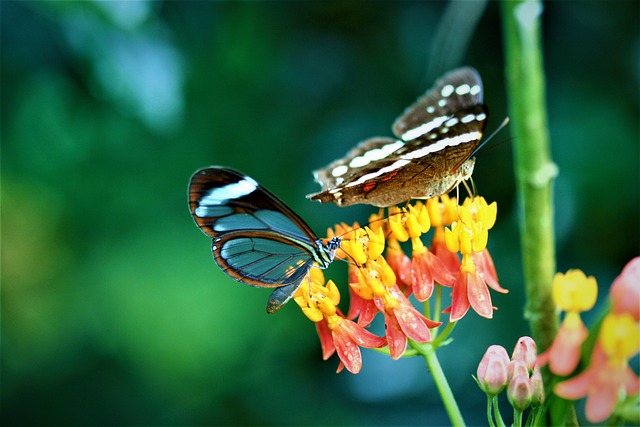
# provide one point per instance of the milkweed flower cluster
(607, 379)
(382, 277)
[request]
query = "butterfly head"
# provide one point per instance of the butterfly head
(326, 252)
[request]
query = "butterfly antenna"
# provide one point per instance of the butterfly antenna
(498, 129)
(388, 232)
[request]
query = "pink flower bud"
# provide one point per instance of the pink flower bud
(537, 397)
(525, 350)
(517, 368)
(492, 370)
(520, 392)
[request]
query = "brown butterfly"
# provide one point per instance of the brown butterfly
(437, 136)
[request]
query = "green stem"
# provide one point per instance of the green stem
(517, 418)
(535, 172)
(534, 168)
(427, 313)
(489, 406)
(438, 308)
(449, 401)
(444, 335)
(498, 414)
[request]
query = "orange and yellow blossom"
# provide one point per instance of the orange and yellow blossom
(443, 211)
(337, 333)
(574, 293)
(469, 236)
(608, 377)
(425, 268)
(376, 281)
(382, 283)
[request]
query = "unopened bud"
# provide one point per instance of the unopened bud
(537, 397)
(492, 370)
(518, 368)
(520, 392)
(525, 350)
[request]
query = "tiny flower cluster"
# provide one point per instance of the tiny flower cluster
(382, 276)
(608, 379)
(519, 375)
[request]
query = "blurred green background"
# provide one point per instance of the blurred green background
(113, 311)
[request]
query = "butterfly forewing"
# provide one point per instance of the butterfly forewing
(257, 239)
(218, 192)
(454, 92)
(436, 137)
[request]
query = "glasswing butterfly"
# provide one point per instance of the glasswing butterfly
(431, 154)
(257, 239)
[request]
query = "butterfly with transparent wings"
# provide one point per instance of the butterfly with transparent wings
(257, 239)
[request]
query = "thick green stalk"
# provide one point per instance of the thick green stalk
(535, 170)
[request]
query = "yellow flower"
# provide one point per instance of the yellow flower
(619, 337)
(608, 378)
(574, 291)
(314, 298)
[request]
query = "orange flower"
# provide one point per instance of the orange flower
(573, 292)
(469, 236)
(346, 337)
(377, 281)
(337, 333)
(443, 211)
(402, 321)
(424, 269)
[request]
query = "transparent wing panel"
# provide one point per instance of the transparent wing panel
(262, 261)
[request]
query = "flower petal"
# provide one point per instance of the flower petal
(348, 351)
(625, 290)
(449, 262)
(399, 262)
(576, 387)
(396, 338)
(326, 340)
(479, 296)
(564, 353)
(411, 321)
(459, 299)
(361, 336)
(601, 402)
(484, 264)
(421, 277)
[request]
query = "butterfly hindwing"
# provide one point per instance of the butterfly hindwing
(364, 153)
